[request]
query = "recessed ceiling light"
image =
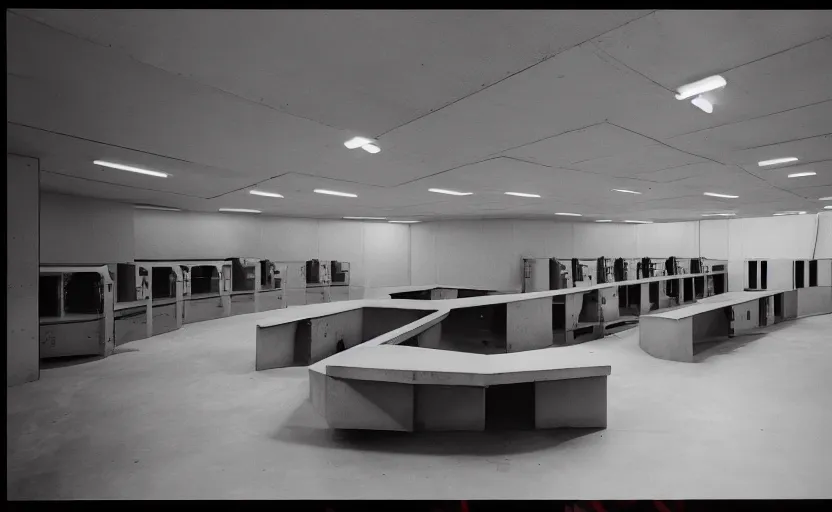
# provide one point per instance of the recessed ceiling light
(718, 214)
(403, 221)
(639, 221)
(262, 193)
(801, 174)
(701, 86)
(604, 220)
(521, 194)
(333, 193)
(788, 213)
(357, 142)
(371, 148)
(703, 104)
(766, 163)
(366, 218)
(825, 198)
(152, 207)
(828, 207)
(569, 214)
(130, 169)
(625, 191)
(714, 194)
(239, 210)
(449, 192)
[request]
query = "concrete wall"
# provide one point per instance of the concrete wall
(489, 252)
(84, 230)
(22, 219)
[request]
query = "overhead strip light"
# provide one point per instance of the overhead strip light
(239, 210)
(718, 214)
(365, 218)
(371, 148)
(449, 192)
(357, 142)
(625, 191)
(776, 161)
(604, 220)
(778, 214)
(714, 194)
(569, 214)
(829, 198)
(130, 169)
(152, 207)
(404, 221)
(521, 194)
(802, 174)
(827, 207)
(639, 221)
(333, 193)
(265, 194)
(699, 87)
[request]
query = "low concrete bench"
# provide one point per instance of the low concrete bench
(390, 387)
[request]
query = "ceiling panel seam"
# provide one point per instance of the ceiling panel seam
(788, 142)
(541, 61)
(121, 185)
(171, 73)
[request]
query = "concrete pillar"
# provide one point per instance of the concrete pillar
(22, 269)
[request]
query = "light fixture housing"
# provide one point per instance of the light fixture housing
(569, 214)
(357, 142)
(333, 193)
(777, 161)
(829, 207)
(404, 221)
(714, 194)
(639, 221)
(130, 168)
(802, 174)
(263, 193)
(604, 220)
(521, 194)
(778, 214)
(239, 210)
(703, 104)
(625, 191)
(449, 192)
(365, 218)
(154, 207)
(371, 148)
(718, 214)
(829, 198)
(701, 86)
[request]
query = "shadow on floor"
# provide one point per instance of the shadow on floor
(62, 362)
(306, 427)
(704, 351)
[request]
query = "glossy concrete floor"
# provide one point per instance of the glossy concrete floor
(184, 415)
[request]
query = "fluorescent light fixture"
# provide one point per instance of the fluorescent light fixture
(766, 163)
(333, 193)
(701, 86)
(357, 142)
(130, 169)
(625, 191)
(152, 207)
(714, 194)
(371, 148)
(404, 221)
(569, 214)
(703, 104)
(366, 218)
(801, 174)
(521, 194)
(449, 192)
(718, 214)
(828, 207)
(239, 210)
(825, 198)
(604, 220)
(265, 194)
(778, 214)
(639, 221)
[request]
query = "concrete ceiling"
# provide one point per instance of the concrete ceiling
(565, 104)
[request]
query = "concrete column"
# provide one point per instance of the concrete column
(22, 269)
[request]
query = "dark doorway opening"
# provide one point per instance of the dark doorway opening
(752, 275)
(510, 407)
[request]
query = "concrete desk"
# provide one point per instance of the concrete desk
(390, 387)
(671, 335)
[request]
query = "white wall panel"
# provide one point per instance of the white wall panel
(611, 240)
(343, 241)
(386, 254)
(186, 235)
(671, 239)
(423, 253)
(713, 238)
(790, 236)
(824, 244)
(289, 239)
(85, 230)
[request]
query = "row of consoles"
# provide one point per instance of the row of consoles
(90, 309)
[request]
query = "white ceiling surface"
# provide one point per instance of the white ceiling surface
(565, 104)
